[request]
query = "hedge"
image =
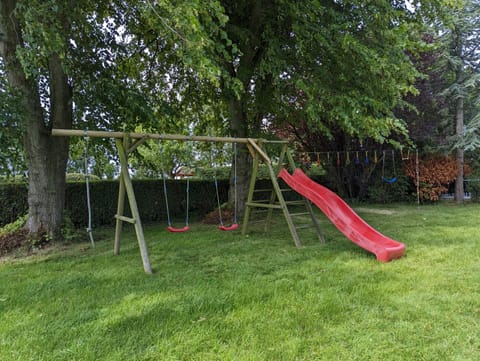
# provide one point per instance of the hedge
(104, 195)
(13, 202)
(149, 195)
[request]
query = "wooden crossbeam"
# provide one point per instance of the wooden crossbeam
(146, 136)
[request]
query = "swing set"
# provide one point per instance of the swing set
(393, 178)
(126, 143)
(234, 224)
(170, 227)
(186, 227)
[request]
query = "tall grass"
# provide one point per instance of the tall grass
(223, 296)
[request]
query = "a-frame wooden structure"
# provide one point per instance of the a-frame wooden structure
(276, 200)
(128, 142)
(125, 146)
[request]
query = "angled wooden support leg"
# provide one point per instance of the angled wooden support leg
(119, 222)
(283, 205)
(251, 189)
(127, 181)
(259, 154)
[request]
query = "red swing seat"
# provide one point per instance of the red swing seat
(233, 227)
(178, 230)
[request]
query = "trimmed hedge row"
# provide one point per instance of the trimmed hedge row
(13, 202)
(104, 195)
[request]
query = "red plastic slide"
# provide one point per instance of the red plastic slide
(344, 217)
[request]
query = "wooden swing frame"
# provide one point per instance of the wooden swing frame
(127, 142)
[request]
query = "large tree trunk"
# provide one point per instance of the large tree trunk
(459, 190)
(252, 49)
(459, 112)
(46, 156)
(239, 129)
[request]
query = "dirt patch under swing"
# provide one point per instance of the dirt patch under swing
(18, 239)
(213, 217)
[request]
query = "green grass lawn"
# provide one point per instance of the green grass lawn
(223, 296)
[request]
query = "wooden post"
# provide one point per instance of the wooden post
(119, 223)
(291, 162)
(146, 136)
(273, 195)
(251, 190)
(125, 176)
(281, 200)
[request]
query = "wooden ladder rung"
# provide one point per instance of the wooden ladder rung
(261, 200)
(259, 211)
(263, 190)
(295, 202)
(305, 226)
(257, 221)
(263, 205)
(126, 219)
(299, 214)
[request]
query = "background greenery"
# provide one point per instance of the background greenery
(148, 192)
(104, 196)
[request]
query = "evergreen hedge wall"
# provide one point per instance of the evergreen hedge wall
(13, 202)
(104, 195)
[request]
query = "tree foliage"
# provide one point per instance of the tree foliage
(12, 158)
(332, 64)
(460, 40)
(462, 58)
(184, 66)
(102, 64)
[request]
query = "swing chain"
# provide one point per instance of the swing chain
(235, 182)
(394, 178)
(170, 228)
(234, 224)
(87, 185)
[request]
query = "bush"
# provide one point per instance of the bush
(435, 174)
(384, 192)
(208, 174)
(14, 226)
(13, 179)
(80, 177)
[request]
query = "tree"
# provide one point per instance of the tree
(334, 67)
(117, 64)
(462, 41)
(426, 118)
(100, 63)
(46, 157)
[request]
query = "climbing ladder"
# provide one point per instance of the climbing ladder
(276, 199)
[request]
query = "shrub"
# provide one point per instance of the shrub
(15, 226)
(435, 173)
(80, 177)
(384, 192)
